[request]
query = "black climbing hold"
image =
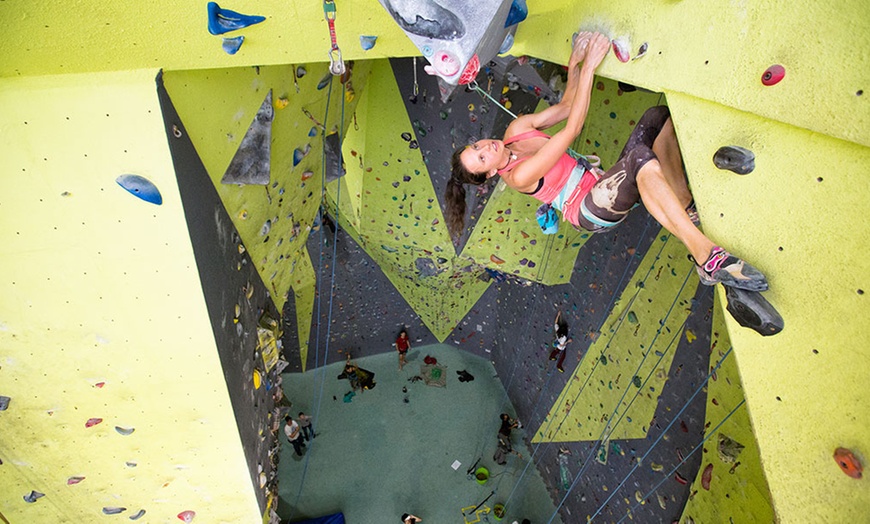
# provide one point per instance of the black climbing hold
(413, 144)
(735, 158)
(750, 309)
(406, 137)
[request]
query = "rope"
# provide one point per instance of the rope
(667, 428)
(600, 325)
(696, 448)
(318, 395)
(616, 409)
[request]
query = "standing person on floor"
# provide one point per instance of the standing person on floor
(561, 342)
(306, 426)
(291, 430)
(403, 345)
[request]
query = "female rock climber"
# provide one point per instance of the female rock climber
(650, 168)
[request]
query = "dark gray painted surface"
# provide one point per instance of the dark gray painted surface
(215, 247)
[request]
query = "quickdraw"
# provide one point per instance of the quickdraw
(336, 65)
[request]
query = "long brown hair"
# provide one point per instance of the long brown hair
(454, 195)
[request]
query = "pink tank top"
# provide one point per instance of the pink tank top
(555, 180)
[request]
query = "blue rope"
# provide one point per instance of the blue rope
(696, 448)
(667, 428)
(616, 409)
(317, 396)
(600, 325)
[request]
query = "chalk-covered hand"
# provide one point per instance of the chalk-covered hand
(599, 45)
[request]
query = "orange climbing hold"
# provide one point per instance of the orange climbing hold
(848, 463)
(495, 259)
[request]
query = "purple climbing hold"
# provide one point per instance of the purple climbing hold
(4, 402)
(137, 515)
(413, 144)
(395, 184)
(113, 510)
(406, 137)
(232, 45)
(222, 21)
(124, 431)
(406, 178)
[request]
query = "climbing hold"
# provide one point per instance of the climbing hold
(406, 137)
(632, 317)
(772, 75)
(495, 259)
(267, 226)
(124, 431)
(92, 422)
(32, 496)
(313, 131)
(636, 381)
(848, 463)
(644, 47)
(413, 144)
(140, 187)
(734, 158)
(74, 480)
(620, 49)
(661, 502)
(137, 515)
(282, 102)
(750, 309)
(707, 476)
(299, 154)
(367, 42)
(113, 510)
(222, 21)
(679, 478)
(471, 70)
(186, 516)
(231, 46)
(4, 402)
(243, 214)
(306, 175)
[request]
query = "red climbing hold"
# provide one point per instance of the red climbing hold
(679, 478)
(848, 463)
(773, 75)
(707, 476)
(187, 516)
(92, 422)
(471, 70)
(620, 49)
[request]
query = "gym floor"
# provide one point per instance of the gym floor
(379, 456)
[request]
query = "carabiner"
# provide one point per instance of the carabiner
(336, 65)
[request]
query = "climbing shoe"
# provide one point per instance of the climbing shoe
(735, 158)
(752, 310)
(721, 267)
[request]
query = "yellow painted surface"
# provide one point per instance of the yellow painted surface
(719, 51)
(801, 218)
(58, 37)
(639, 339)
(737, 489)
(103, 317)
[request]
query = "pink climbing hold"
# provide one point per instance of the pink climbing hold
(620, 49)
(772, 75)
(186, 516)
(74, 480)
(707, 476)
(471, 70)
(92, 422)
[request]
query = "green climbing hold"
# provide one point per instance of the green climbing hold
(636, 381)
(632, 318)
(603, 359)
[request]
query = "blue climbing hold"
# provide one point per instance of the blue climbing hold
(519, 11)
(222, 21)
(367, 42)
(232, 45)
(140, 187)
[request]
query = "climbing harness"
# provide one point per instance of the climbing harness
(336, 65)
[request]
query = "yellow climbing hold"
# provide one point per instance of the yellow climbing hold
(282, 102)
(243, 214)
(241, 249)
(257, 379)
(656, 467)
(638, 497)
(690, 336)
